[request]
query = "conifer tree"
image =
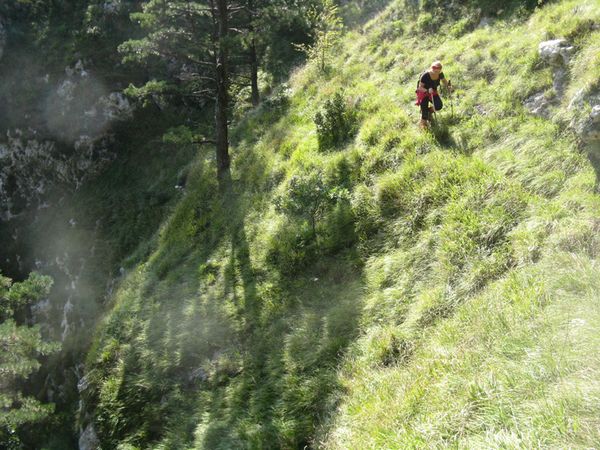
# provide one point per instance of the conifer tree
(201, 48)
(20, 347)
(270, 23)
(193, 40)
(328, 27)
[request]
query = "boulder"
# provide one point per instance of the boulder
(589, 130)
(587, 126)
(88, 440)
(556, 52)
(538, 105)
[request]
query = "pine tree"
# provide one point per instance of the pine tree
(328, 27)
(20, 347)
(194, 39)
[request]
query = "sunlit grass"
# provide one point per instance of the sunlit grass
(447, 297)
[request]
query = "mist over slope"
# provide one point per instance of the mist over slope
(364, 284)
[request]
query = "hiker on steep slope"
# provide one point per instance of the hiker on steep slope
(427, 92)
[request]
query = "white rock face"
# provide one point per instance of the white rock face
(66, 91)
(78, 112)
(556, 52)
(28, 166)
(88, 440)
(82, 105)
(115, 107)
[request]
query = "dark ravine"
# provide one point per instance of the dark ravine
(50, 168)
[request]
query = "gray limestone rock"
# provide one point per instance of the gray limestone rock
(112, 6)
(587, 126)
(484, 22)
(589, 130)
(115, 107)
(556, 52)
(88, 440)
(29, 165)
(538, 105)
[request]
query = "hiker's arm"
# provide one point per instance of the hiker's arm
(422, 87)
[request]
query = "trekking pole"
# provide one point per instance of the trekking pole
(450, 98)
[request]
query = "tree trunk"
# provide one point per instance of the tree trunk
(253, 57)
(254, 74)
(222, 77)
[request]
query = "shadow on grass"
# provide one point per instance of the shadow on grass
(217, 350)
(291, 344)
(444, 129)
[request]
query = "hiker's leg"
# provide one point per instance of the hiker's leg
(437, 102)
(425, 109)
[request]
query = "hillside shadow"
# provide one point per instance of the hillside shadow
(444, 130)
(293, 334)
(255, 353)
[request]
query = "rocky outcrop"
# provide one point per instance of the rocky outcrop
(30, 165)
(115, 107)
(556, 53)
(82, 105)
(585, 107)
(73, 145)
(112, 7)
(88, 440)
(591, 128)
(538, 105)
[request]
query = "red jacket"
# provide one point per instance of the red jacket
(422, 95)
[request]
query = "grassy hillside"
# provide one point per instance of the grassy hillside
(364, 284)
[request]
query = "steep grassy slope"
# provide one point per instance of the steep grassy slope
(395, 289)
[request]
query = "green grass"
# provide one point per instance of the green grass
(447, 296)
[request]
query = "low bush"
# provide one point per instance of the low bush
(336, 122)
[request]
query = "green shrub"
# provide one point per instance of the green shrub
(306, 196)
(339, 232)
(336, 122)
(426, 23)
(319, 220)
(366, 213)
(291, 247)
